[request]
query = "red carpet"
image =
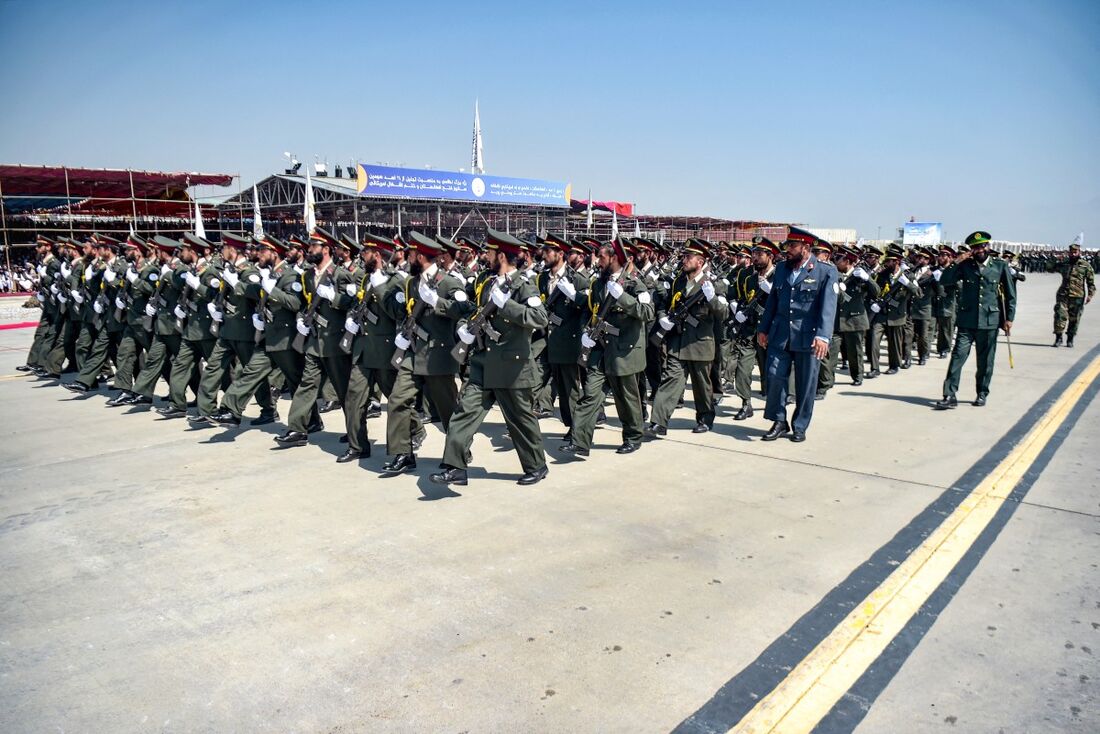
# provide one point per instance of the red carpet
(20, 325)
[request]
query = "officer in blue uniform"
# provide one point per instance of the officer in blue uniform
(795, 329)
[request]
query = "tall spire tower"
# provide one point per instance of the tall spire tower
(477, 163)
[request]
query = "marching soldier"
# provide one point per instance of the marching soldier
(856, 288)
(372, 324)
(986, 302)
(921, 305)
(501, 366)
(896, 288)
(751, 295)
(943, 303)
(1077, 288)
(104, 331)
(686, 324)
(160, 321)
(433, 301)
(46, 334)
(130, 302)
(618, 300)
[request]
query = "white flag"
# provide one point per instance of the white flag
(200, 231)
(588, 223)
(614, 222)
(310, 214)
(1079, 240)
(637, 228)
(257, 225)
(477, 163)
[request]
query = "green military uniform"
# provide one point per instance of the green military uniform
(751, 290)
(501, 372)
(236, 337)
(857, 288)
(323, 358)
(920, 309)
(616, 361)
(565, 322)
(91, 278)
(196, 340)
(108, 329)
(895, 291)
(986, 291)
(1077, 288)
(132, 299)
(46, 333)
(691, 348)
(65, 332)
(166, 338)
(943, 308)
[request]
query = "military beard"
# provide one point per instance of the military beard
(315, 258)
(416, 268)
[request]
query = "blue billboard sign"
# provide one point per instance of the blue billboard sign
(414, 183)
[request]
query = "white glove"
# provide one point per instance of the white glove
(875, 307)
(465, 335)
(764, 285)
(41, 270)
(54, 289)
(401, 342)
(149, 310)
(326, 292)
(377, 278)
(740, 317)
(97, 306)
(351, 325)
(257, 322)
(351, 289)
(400, 296)
(231, 277)
(179, 312)
(903, 280)
(110, 275)
(119, 303)
(1012, 271)
(666, 323)
(302, 328)
(733, 307)
(614, 289)
(265, 272)
(427, 295)
(66, 271)
(587, 342)
(936, 274)
(131, 275)
(567, 288)
(268, 284)
(165, 268)
(214, 312)
(192, 280)
(843, 286)
(708, 290)
(861, 274)
(61, 297)
(41, 298)
(499, 297)
(77, 296)
(904, 266)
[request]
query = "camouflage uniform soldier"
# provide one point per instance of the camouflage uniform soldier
(1077, 288)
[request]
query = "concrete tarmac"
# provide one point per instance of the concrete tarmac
(163, 578)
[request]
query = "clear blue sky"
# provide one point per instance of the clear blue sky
(977, 114)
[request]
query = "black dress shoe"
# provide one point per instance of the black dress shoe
(344, 438)
(374, 410)
(418, 439)
(1057, 340)
(907, 364)
(653, 431)
(198, 419)
(892, 371)
(192, 403)
(568, 437)
(399, 464)
(627, 448)
(139, 400)
(315, 427)
(574, 449)
(225, 418)
(819, 396)
(171, 411)
(979, 401)
(947, 403)
(328, 406)
(922, 361)
(534, 477)
(798, 436)
(541, 414)
(24, 368)
(78, 387)
(292, 438)
(120, 399)
(700, 428)
(745, 413)
(778, 430)
(349, 455)
(1069, 342)
(265, 417)
(450, 476)
(601, 419)
(873, 374)
(857, 382)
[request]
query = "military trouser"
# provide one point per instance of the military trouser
(290, 364)
(922, 335)
(729, 362)
(362, 385)
(544, 392)
(163, 350)
(1067, 315)
(654, 366)
(401, 423)
(517, 406)
(874, 344)
(826, 373)
(315, 369)
(135, 341)
(780, 373)
(248, 356)
(329, 392)
(747, 354)
(945, 333)
(54, 359)
(851, 346)
(673, 380)
(895, 345)
(43, 342)
(85, 341)
(96, 357)
(986, 342)
(628, 404)
(566, 379)
(187, 369)
(251, 378)
(907, 340)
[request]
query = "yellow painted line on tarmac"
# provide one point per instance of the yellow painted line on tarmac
(812, 688)
(16, 376)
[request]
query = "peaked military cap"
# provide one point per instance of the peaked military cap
(195, 242)
(235, 240)
(554, 242)
(503, 242)
(978, 238)
(697, 246)
(377, 242)
(321, 236)
(165, 244)
(296, 241)
(349, 242)
(763, 243)
(426, 246)
(447, 244)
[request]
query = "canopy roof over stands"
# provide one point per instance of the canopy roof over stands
(107, 183)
